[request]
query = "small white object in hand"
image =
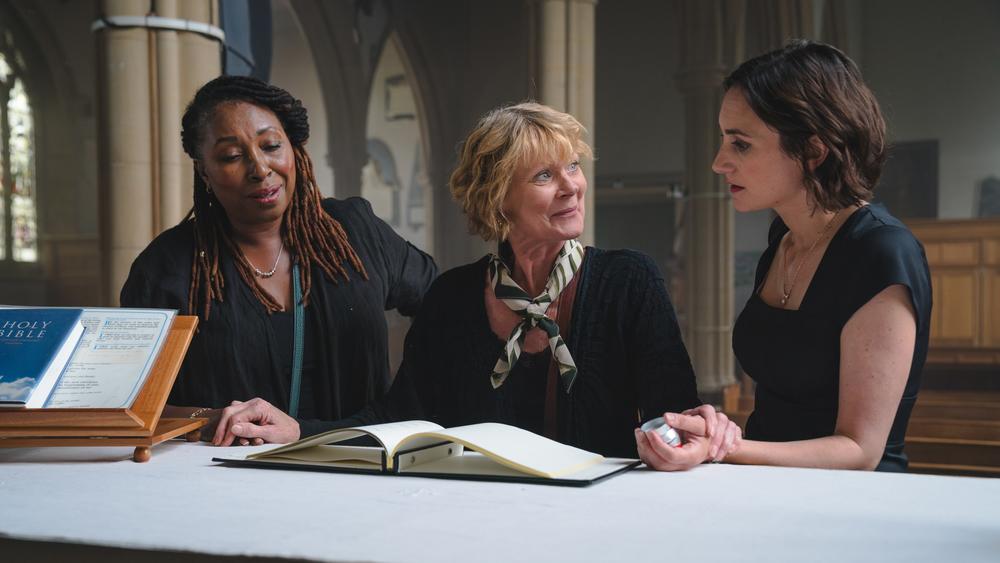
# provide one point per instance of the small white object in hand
(660, 426)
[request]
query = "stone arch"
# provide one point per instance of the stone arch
(327, 28)
(440, 129)
(395, 177)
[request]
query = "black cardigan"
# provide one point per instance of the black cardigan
(624, 338)
(237, 354)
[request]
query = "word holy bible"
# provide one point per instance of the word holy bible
(485, 452)
(35, 345)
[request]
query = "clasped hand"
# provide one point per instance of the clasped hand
(707, 435)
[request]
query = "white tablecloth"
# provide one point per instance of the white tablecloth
(181, 500)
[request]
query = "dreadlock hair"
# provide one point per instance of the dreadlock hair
(308, 233)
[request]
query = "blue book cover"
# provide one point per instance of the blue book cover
(35, 345)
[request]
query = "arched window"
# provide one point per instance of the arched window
(394, 179)
(19, 236)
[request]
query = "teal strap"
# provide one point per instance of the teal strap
(298, 318)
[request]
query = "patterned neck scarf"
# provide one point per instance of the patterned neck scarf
(532, 312)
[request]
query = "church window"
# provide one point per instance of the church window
(19, 237)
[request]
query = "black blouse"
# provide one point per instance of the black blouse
(241, 352)
(794, 356)
(624, 339)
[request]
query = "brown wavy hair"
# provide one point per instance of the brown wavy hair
(808, 89)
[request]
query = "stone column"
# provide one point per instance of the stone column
(711, 34)
(145, 77)
(172, 205)
(201, 62)
(566, 73)
(124, 123)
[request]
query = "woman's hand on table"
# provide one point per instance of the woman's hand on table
(254, 422)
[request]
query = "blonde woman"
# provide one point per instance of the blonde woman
(578, 344)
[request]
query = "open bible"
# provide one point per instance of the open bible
(114, 387)
(487, 451)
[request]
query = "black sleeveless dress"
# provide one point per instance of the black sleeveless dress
(794, 356)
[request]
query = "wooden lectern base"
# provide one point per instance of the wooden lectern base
(166, 429)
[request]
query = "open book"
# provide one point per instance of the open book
(421, 448)
(112, 353)
(113, 359)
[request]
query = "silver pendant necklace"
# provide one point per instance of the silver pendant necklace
(786, 289)
(262, 274)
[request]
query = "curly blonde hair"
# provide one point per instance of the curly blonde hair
(502, 141)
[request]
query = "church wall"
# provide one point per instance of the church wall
(639, 142)
(640, 118)
(935, 68)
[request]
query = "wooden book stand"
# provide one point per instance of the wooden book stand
(139, 425)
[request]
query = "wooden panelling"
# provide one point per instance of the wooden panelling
(955, 432)
(974, 357)
(991, 308)
(958, 405)
(941, 354)
(956, 307)
(953, 470)
(980, 453)
(955, 429)
(964, 256)
(937, 230)
(991, 252)
(958, 253)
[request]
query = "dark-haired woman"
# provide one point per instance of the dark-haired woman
(290, 289)
(836, 331)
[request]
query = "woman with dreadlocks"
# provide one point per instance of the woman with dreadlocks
(290, 289)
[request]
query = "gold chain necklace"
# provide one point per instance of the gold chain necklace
(785, 293)
(262, 274)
